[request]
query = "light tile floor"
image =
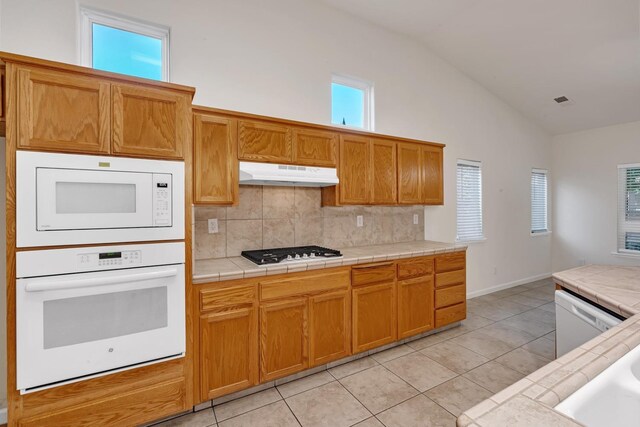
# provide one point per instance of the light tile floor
(429, 382)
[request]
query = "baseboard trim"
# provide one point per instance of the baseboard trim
(502, 286)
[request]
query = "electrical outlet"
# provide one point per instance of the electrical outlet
(582, 262)
(415, 219)
(213, 225)
(495, 271)
(359, 221)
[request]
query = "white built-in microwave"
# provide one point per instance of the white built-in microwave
(68, 199)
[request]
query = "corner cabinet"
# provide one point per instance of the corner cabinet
(215, 164)
(93, 112)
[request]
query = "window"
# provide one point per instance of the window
(629, 208)
(351, 102)
(126, 46)
(539, 201)
(469, 215)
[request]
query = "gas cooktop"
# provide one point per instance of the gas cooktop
(289, 255)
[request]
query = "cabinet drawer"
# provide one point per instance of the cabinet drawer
(210, 299)
(451, 278)
(322, 281)
(455, 313)
(415, 268)
(452, 295)
(455, 261)
(373, 273)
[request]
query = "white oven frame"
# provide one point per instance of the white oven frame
(27, 234)
(57, 274)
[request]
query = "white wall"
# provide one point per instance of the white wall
(585, 193)
(276, 58)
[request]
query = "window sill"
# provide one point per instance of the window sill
(544, 233)
(626, 254)
(472, 241)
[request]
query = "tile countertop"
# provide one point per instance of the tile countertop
(531, 401)
(214, 270)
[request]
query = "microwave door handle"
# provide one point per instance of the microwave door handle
(56, 285)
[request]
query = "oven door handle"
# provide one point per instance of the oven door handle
(56, 285)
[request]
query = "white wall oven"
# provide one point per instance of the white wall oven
(67, 199)
(91, 311)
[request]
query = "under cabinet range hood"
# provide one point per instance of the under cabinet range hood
(252, 173)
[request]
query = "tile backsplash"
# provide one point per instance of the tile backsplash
(271, 217)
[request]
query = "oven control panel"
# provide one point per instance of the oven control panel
(110, 259)
(161, 200)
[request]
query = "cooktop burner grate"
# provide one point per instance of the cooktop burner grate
(293, 254)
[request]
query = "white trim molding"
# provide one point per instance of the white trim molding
(90, 16)
(365, 86)
(508, 285)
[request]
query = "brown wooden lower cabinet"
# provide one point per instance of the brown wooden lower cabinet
(330, 327)
(374, 316)
(228, 351)
(415, 306)
(283, 338)
(258, 330)
(129, 408)
(455, 313)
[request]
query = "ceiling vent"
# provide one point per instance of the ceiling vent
(563, 100)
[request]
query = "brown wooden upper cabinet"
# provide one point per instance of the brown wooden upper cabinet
(215, 160)
(315, 147)
(383, 172)
(150, 122)
(355, 170)
(420, 179)
(264, 142)
(81, 112)
(62, 111)
(270, 142)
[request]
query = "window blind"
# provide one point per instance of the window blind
(629, 208)
(539, 201)
(469, 198)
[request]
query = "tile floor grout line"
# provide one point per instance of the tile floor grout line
(290, 409)
(253, 409)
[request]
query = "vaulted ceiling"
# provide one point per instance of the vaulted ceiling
(529, 52)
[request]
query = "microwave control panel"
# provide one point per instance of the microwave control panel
(162, 200)
(110, 259)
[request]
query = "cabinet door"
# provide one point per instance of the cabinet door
(150, 122)
(415, 306)
(432, 181)
(354, 171)
(62, 112)
(228, 352)
(315, 147)
(264, 142)
(215, 163)
(329, 327)
(283, 338)
(374, 316)
(383, 172)
(409, 174)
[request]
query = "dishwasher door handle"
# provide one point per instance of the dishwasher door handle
(587, 317)
(61, 284)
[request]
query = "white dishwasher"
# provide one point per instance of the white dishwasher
(577, 322)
